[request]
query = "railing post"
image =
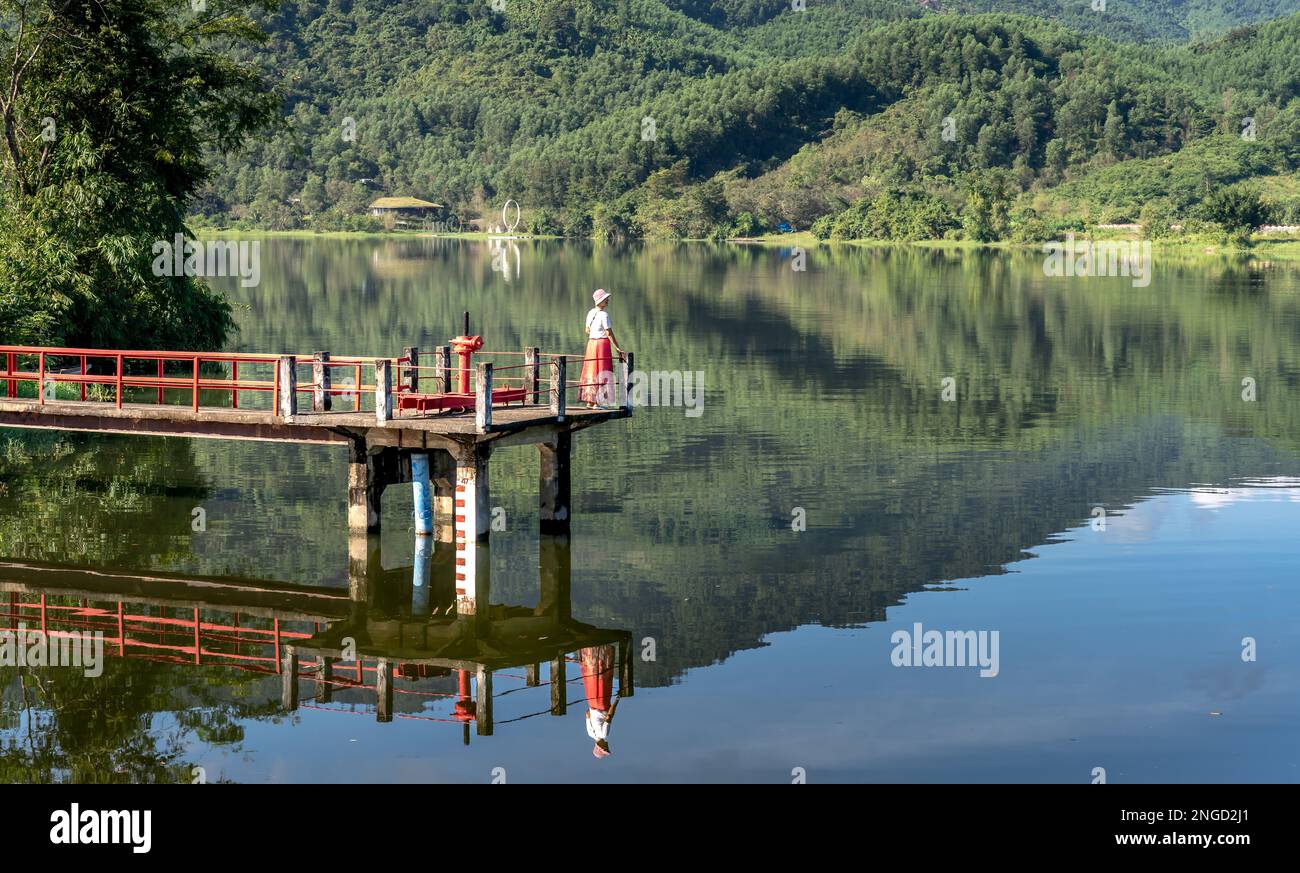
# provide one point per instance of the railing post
(234, 379)
(531, 375)
(12, 363)
(321, 398)
(483, 398)
(558, 378)
(383, 390)
(40, 379)
(442, 368)
(287, 406)
(627, 383)
(161, 396)
(412, 355)
(119, 381)
(195, 387)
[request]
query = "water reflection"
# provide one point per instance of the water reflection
(390, 644)
(823, 393)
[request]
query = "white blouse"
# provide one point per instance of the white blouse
(597, 323)
(597, 724)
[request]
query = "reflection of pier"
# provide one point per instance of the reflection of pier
(390, 635)
(412, 422)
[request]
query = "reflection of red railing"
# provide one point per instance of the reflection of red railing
(130, 633)
(247, 643)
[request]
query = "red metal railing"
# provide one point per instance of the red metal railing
(221, 380)
(122, 371)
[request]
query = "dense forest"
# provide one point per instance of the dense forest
(852, 118)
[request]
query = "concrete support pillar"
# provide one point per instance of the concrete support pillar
(364, 565)
(555, 484)
(365, 488)
(423, 494)
(473, 526)
(443, 477)
(422, 578)
(556, 578)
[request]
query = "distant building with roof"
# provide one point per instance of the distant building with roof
(406, 210)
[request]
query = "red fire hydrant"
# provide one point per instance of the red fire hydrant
(466, 709)
(466, 346)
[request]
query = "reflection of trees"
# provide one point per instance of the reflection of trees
(104, 500)
(131, 724)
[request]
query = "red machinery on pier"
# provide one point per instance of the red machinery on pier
(463, 397)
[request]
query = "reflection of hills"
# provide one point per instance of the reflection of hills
(823, 393)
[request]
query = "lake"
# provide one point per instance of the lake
(889, 442)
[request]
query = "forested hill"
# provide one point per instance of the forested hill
(685, 118)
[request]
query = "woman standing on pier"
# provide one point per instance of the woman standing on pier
(598, 363)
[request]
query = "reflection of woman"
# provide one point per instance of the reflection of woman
(598, 362)
(598, 681)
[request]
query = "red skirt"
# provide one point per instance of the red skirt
(598, 676)
(597, 372)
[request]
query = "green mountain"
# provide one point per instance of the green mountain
(688, 119)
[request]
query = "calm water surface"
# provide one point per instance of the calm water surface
(1098, 492)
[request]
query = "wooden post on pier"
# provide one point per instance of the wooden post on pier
(559, 685)
(383, 690)
(625, 656)
(287, 404)
(483, 398)
(289, 678)
(325, 680)
(322, 382)
(531, 375)
(554, 485)
(627, 382)
(383, 390)
(557, 387)
(483, 702)
(442, 369)
(412, 355)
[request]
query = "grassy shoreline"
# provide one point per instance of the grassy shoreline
(1273, 247)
